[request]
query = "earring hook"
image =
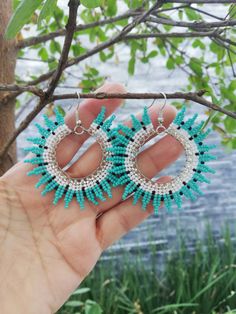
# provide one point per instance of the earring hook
(160, 113)
(163, 106)
(78, 129)
(165, 100)
(77, 119)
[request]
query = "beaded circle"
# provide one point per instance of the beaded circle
(55, 179)
(126, 147)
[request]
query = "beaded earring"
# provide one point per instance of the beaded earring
(56, 179)
(126, 147)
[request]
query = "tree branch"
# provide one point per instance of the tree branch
(31, 41)
(170, 35)
(70, 29)
(194, 25)
(195, 97)
(18, 88)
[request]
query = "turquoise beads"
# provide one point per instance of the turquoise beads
(126, 147)
(96, 187)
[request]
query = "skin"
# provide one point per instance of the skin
(46, 250)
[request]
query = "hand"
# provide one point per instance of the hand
(47, 250)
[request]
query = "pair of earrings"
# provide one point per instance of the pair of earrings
(120, 147)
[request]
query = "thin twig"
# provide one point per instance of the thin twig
(170, 35)
(70, 29)
(207, 13)
(196, 97)
(194, 25)
(31, 41)
(18, 88)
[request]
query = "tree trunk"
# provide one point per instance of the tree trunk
(7, 76)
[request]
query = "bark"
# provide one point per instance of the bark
(7, 76)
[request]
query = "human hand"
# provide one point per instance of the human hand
(47, 250)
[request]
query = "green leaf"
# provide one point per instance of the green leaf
(152, 54)
(55, 46)
(91, 3)
(18, 104)
(195, 66)
(43, 54)
(15, 4)
(170, 64)
(21, 16)
(102, 56)
(131, 66)
(134, 4)
(214, 47)
(92, 308)
(192, 15)
(230, 124)
(198, 43)
(61, 110)
(232, 11)
(179, 60)
(47, 10)
(180, 14)
(52, 64)
(95, 73)
(81, 291)
(74, 303)
(232, 86)
(111, 7)
(78, 50)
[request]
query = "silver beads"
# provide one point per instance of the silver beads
(61, 176)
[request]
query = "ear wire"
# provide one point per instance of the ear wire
(77, 119)
(160, 117)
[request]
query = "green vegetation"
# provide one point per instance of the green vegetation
(201, 282)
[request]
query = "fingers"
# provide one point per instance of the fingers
(88, 111)
(118, 221)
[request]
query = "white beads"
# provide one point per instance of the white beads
(61, 177)
(176, 183)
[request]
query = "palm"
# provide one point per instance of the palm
(56, 247)
(53, 240)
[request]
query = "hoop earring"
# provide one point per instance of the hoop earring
(91, 187)
(127, 146)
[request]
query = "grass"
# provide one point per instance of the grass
(201, 282)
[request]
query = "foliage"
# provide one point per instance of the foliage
(208, 63)
(87, 307)
(203, 282)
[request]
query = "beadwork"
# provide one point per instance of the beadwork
(91, 187)
(126, 147)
